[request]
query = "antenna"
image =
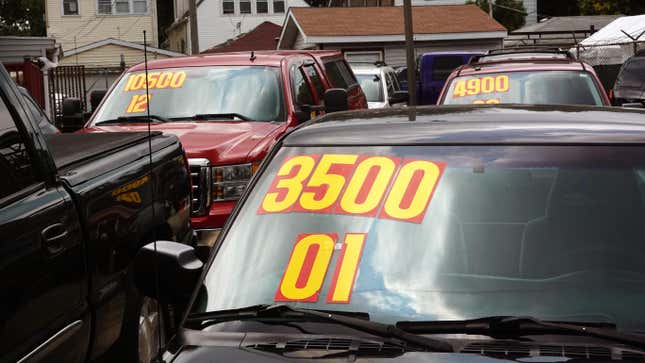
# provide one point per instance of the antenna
(158, 356)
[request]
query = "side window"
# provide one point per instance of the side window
(389, 83)
(313, 75)
(301, 91)
(443, 66)
(335, 73)
(15, 163)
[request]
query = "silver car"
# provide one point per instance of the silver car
(380, 85)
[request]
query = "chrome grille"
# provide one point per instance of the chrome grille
(200, 179)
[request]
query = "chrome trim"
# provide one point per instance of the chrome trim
(58, 338)
(200, 177)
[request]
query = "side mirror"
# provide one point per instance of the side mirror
(303, 116)
(633, 105)
(178, 268)
(72, 107)
(399, 97)
(335, 100)
(96, 97)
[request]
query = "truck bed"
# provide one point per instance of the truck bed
(79, 157)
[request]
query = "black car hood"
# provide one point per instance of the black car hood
(198, 347)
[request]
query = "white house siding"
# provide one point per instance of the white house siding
(531, 9)
(215, 27)
(300, 43)
(77, 30)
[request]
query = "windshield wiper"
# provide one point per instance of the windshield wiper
(285, 313)
(139, 118)
(211, 116)
(515, 326)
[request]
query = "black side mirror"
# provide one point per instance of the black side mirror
(96, 97)
(399, 97)
(72, 107)
(178, 267)
(336, 100)
(303, 116)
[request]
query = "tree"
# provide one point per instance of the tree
(509, 13)
(611, 7)
(22, 17)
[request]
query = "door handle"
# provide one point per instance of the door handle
(53, 237)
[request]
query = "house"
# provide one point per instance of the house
(28, 59)
(221, 20)
(263, 37)
(377, 33)
(530, 6)
(103, 61)
(75, 23)
(559, 31)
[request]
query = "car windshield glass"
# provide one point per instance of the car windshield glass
(253, 91)
(372, 87)
(541, 87)
(450, 232)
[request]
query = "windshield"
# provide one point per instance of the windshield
(426, 233)
(175, 93)
(372, 87)
(542, 87)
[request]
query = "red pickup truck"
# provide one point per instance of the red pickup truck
(227, 110)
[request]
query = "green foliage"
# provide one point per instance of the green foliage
(22, 17)
(611, 7)
(509, 13)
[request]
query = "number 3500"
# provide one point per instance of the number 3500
(353, 184)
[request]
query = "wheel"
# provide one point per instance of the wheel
(151, 330)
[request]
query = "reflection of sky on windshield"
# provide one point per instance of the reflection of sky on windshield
(449, 267)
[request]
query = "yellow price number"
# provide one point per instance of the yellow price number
(156, 80)
(475, 86)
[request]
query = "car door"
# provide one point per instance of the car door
(43, 313)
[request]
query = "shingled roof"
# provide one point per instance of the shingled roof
(356, 24)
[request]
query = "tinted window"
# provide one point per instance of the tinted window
(15, 163)
(341, 76)
(444, 65)
(180, 93)
(301, 89)
(313, 75)
(633, 74)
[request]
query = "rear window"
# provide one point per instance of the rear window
(444, 65)
(542, 87)
(372, 87)
(339, 74)
(633, 74)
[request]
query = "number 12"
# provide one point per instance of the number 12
(308, 265)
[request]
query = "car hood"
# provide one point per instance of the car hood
(221, 142)
(372, 105)
(199, 354)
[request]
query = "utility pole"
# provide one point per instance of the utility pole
(490, 8)
(194, 39)
(409, 50)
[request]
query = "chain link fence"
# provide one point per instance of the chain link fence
(607, 59)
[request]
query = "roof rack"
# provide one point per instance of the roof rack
(498, 55)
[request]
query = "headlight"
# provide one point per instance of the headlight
(230, 181)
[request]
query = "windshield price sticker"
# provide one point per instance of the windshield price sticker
(156, 80)
(350, 184)
(492, 101)
(138, 103)
(309, 263)
(476, 86)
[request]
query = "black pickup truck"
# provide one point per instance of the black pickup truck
(74, 211)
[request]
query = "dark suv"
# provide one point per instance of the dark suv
(630, 83)
(524, 76)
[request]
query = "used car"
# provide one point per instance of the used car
(524, 77)
(227, 110)
(629, 88)
(473, 234)
(380, 85)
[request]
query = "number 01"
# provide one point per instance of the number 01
(310, 258)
